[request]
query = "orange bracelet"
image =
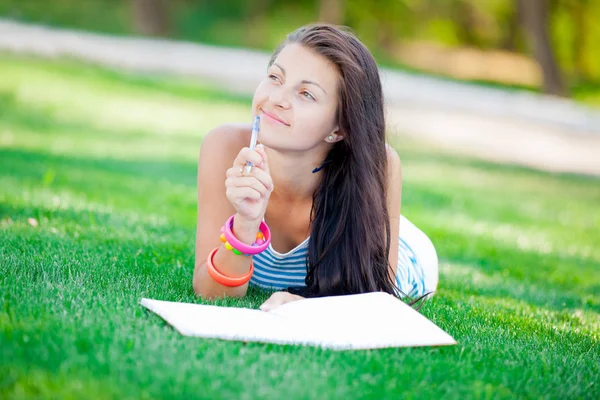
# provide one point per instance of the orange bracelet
(226, 280)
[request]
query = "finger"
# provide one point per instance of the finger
(246, 155)
(260, 149)
(247, 182)
(232, 172)
(279, 298)
(267, 306)
(271, 304)
(263, 176)
(239, 171)
(239, 194)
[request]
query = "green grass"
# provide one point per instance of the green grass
(106, 163)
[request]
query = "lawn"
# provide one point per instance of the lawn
(98, 209)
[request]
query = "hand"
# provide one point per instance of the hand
(249, 193)
(277, 299)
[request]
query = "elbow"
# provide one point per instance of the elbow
(205, 287)
(199, 290)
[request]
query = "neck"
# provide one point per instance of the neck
(292, 174)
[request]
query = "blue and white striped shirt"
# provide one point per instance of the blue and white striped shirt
(274, 270)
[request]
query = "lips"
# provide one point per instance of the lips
(274, 117)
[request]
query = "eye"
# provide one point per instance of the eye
(307, 95)
(274, 77)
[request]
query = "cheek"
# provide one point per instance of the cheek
(260, 95)
(315, 121)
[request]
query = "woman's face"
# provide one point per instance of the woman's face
(297, 100)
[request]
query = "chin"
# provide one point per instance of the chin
(271, 144)
(267, 136)
(267, 143)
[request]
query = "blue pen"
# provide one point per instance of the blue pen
(253, 140)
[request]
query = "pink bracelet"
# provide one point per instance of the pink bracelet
(260, 239)
(243, 247)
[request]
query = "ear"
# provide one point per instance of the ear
(337, 135)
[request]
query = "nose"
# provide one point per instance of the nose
(279, 97)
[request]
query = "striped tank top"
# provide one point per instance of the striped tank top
(274, 270)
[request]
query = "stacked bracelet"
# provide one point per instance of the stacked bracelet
(260, 239)
(263, 239)
(226, 280)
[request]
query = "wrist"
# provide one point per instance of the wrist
(244, 237)
(244, 229)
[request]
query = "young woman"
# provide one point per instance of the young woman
(324, 191)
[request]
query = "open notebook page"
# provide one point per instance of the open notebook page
(363, 321)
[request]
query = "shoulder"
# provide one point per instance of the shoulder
(226, 139)
(394, 182)
(394, 163)
(219, 148)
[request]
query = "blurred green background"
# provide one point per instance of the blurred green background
(539, 45)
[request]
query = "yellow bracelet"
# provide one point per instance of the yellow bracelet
(260, 239)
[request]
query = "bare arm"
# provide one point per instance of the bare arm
(394, 198)
(213, 210)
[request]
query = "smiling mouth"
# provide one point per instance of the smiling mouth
(273, 118)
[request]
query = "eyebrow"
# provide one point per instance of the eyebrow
(304, 81)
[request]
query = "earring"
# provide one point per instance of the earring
(330, 137)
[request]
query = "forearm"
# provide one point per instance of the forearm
(209, 289)
(227, 263)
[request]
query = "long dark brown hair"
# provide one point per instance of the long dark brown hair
(350, 227)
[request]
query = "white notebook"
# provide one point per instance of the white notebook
(360, 321)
